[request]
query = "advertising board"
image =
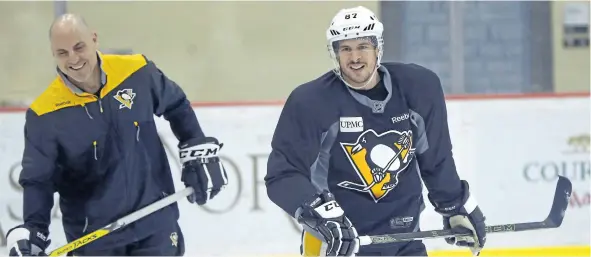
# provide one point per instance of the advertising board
(510, 150)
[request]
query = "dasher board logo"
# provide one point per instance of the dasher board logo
(351, 124)
(378, 160)
(125, 97)
(578, 144)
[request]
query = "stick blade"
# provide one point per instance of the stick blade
(564, 189)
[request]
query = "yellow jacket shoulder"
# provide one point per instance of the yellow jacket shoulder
(117, 68)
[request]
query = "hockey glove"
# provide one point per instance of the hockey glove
(324, 218)
(464, 215)
(202, 169)
(24, 241)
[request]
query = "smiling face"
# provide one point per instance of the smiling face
(74, 49)
(357, 60)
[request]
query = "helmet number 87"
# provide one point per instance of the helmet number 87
(349, 16)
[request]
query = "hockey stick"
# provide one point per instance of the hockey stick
(122, 222)
(554, 220)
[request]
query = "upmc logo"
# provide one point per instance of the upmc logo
(351, 124)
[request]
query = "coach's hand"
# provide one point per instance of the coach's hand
(202, 168)
(26, 241)
(461, 216)
(323, 217)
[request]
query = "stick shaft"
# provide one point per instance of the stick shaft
(155, 206)
(122, 222)
(554, 220)
(401, 237)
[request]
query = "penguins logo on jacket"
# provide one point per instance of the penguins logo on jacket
(125, 97)
(378, 160)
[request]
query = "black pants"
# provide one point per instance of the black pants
(168, 242)
(412, 248)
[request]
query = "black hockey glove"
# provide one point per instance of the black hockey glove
(324, 218)
(464, 215)
(26, 241)
(202, 168)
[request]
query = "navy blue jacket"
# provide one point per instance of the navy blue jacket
(103, 154)
(331, 137)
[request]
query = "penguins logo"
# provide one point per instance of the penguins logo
(379, 160)
(125, 97)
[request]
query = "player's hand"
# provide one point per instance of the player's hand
(324, 218)
(464, 216)
(24, 241)
(202, 168)
(378, 174)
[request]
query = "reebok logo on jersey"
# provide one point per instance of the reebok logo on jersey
(400, 118)
(351, 124)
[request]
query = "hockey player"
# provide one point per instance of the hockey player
(91, 137)
(351, 146)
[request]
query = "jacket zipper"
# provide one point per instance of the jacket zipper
(95, 150)
(87, 112)
(85, 225)
(137, 130)
(100, 104)
(94, 143)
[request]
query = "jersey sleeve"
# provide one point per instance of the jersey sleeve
(437, 165)
(295, 146)
(171, 102)
(36, 177)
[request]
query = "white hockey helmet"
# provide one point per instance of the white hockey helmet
(350, 23)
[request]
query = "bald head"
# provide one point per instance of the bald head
(68, 22)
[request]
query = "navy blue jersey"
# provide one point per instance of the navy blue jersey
(371, 154)
(102, 153)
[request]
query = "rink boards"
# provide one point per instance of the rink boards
(510, 150)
